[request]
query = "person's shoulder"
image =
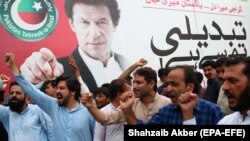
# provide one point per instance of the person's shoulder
(107, 108)
(169, 108)
(163, 99)
(34, 107)
(204, 103)
(120, 57)
(229, 119)
(122, 60)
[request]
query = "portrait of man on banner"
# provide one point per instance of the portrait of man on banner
(93, 22)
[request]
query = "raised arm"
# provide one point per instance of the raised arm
(126, 102)
(128, 71)
(84, 87)
(44, 101)
(87, 101)
(187, 103)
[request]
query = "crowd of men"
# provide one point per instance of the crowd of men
(69, 114)
(76, 103)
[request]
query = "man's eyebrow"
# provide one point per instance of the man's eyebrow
(170, 81)
(103, 18)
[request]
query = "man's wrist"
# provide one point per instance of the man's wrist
(187, 115)
(15, 71)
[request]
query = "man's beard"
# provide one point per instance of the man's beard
(243, 102)
(64, 101)
(17, 106)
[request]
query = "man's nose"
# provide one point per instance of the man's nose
(168, 88)
(225, 85)
(94, 31)
(57, 90)
(14, 93)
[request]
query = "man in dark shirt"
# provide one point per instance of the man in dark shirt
(213, 83)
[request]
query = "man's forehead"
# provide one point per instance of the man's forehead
(208, 67)
(91, 10)
(176, 74)
(234, 70)
(15, 87)
(136, 76)
(61, 83)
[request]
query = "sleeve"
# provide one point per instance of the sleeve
(100, 132)
(46, 124)
(44, 101)
(218, 114)
(84, 87)
(4, 114)
(92, 123)
(157, 118)
(115, 116)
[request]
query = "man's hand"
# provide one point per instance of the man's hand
(73, 64)
(187, 102)
(141, 62)
(41, 66)
(10, 60)
(87, 100)
(4, 79)
(126, 100)
(10, 63)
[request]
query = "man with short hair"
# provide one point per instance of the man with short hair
(213, 83)
(102, 97)
(112, 132)
(49, 87)
(237, 89)
(147, 101)
(222, 101)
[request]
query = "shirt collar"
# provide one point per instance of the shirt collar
(90, 61)
(76, 108)
(25, 110)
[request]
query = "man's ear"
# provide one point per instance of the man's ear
(190, 87)
(152, 83)
(71, 25)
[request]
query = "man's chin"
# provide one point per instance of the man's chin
(137, 95)
(60, 103)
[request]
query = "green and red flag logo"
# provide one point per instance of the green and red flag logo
(29, 20)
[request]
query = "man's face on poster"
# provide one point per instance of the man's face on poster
(94, 29)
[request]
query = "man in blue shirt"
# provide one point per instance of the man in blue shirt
(182, 85)
(24, 121)
(71, 120)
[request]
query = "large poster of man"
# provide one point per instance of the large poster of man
(106, 36)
